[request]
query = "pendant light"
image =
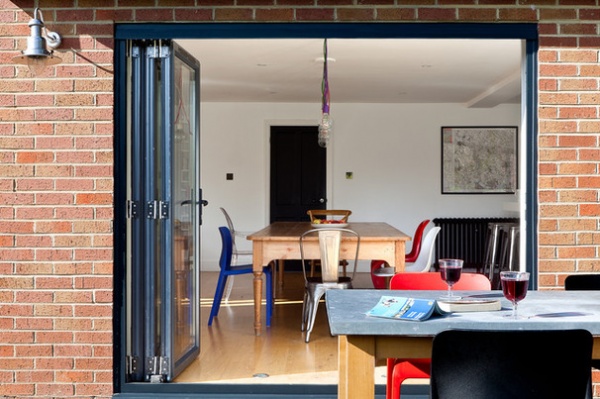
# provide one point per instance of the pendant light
(326, 125)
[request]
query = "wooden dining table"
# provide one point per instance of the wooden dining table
(281, 241)
(363, 339)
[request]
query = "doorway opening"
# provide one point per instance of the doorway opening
(374, 144)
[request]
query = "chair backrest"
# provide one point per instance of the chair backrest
(329, 239)
(231, 229)
(417, 240)
(433, 281)
(582, 282)
(425, 258)
(226, 248)
(337, 214)
(511, 364)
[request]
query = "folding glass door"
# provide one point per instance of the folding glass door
(163, 211)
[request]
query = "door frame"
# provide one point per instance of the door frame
(123, 32)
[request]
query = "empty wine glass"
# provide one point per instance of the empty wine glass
(514, 288)
(450, 270)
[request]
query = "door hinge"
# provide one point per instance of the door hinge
(132, 209)
(158, 50)
(157, 210)
(131, 364)
(158, 368)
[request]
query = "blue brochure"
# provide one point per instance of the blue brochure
(394, 307)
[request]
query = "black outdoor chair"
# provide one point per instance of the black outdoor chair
(584, 282)
(543, 364)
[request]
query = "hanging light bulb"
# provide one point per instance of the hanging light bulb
(326, 125)
(325, 128)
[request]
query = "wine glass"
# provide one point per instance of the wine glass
(450, 270)
(514, 288)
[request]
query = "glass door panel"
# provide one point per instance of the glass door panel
(184, 184)
(163, 211)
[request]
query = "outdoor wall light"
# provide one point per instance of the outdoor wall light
(36, 56)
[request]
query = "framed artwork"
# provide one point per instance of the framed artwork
(479, 159)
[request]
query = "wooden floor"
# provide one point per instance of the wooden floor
(231, 353)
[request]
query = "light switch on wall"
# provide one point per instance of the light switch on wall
(349, 175)
(229, 176)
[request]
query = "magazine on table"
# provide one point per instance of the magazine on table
(417, 309)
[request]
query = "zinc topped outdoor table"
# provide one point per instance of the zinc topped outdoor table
(362, 338)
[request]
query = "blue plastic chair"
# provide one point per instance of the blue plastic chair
(228, 270)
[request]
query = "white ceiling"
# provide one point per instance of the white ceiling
(476, 73)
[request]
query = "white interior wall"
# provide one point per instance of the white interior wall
(393, 151)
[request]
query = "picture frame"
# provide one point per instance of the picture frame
(479, 159)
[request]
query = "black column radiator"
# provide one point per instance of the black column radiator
(465, 238)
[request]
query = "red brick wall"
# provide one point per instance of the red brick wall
(56, 163)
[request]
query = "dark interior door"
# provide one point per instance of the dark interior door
(298, 173)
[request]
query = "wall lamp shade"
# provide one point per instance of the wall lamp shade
(36, 56)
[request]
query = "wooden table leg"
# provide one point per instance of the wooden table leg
(356, 367)
(257, 268)
(400, 254)
(257, 302)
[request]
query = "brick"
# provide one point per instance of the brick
(592, 14)
(275, 14)
(576, 252)
(53, 336)
(16, 310)
(558, 70)
(578, 196)
(558, 210)
(17, 389)
(55, 390)
(589, 209)
(558, 98)
(436, 14)
(345, 14)
(547, 196)
(103, 337)
(476, 14)
(578, 29)
(396, 14)
(517, 14)
(577, 141)
(72, 268)
(34, 350)
(578, 84)
(590, 98)
(35, 324)
(74, 376)
(562, 14)
(557, 239)
(73, 297)
(588, 265)
(234, 14)
(77, 324)
(72, 350)
(15, 337)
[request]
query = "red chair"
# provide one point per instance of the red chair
(381, 282)
(399, 370)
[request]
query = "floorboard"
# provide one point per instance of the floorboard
(231, 353)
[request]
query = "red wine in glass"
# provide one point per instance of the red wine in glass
(450, 271)
(514, 288)
(451, 274)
